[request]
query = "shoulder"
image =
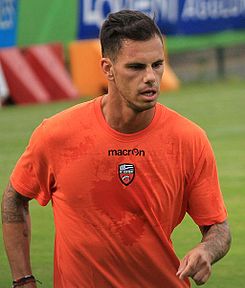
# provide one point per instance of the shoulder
(70, 119)
(182, 129)
(180, 123)
(74, 113)
(65, 124)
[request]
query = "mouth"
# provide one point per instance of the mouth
(150, 93)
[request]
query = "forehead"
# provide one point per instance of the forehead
(141, 51)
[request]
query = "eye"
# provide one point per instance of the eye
(136, 66)
(157, 64)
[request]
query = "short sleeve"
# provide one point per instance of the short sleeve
(32, 176)
(205, 202)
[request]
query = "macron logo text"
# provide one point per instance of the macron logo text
(126, 152)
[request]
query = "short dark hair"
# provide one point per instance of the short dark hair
(125, 24)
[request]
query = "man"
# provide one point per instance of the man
(121, 172)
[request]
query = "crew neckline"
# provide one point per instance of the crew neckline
(125, 137)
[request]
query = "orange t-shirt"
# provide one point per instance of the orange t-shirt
(117, 197)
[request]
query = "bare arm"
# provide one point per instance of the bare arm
(216, 240)
(215, 244)
(17, 233)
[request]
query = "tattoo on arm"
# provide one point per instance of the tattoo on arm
(217, 240)
(14, 206)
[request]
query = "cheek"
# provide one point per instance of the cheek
(127, 81)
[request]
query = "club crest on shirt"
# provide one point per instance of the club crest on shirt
(126, 172)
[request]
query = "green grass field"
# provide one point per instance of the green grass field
(218, 107)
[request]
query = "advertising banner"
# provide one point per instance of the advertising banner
(8, 22)
(184, 17)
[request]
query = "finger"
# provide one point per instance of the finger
(183, 264)
(202, 276)
(200, 280)
(188, 270)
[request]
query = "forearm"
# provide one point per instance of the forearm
(17, 248)
(16, 232)
(215, 244)
(216, 240)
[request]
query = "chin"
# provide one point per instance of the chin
(143, 106)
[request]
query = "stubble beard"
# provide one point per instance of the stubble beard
(142, 106)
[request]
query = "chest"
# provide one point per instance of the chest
(130, 176)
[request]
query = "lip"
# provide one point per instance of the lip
(149, 90)
(152, 94)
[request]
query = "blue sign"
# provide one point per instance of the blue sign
(172, 16)
(8, 22)
(207, 16)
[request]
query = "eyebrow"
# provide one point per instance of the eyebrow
(159, 61)
(139, 64)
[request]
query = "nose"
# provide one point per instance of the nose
(149, 76)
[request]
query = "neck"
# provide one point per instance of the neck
(123, 118)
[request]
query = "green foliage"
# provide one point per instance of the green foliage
(217, 107)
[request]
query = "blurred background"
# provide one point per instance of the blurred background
(204, 42)
(49, 60)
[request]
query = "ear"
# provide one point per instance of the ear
(107, 68)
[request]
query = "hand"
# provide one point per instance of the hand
(196, 264)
